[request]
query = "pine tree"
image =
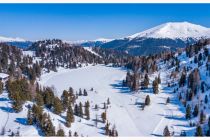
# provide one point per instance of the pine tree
(48, 97)
(159, 80)
(104, 106)
(180, 96)
(65, 99)
(80, 110)
(96, 120)
(167, 100)
(71, 91)
(39, 99)
(208, 132)
(195, 59)
(60, 133)
(1, 87)
(70, 133)
(108, 101)
(58, 108)
(12, 134)
(37, 113)
(75, 134)
(49, 129)
(87, 112)
(209, 122)
(146, 81)
(76, 110)
(107, 128)
(202, 87)
(71, 113)
(199, 131)
(147, 100)
(85, 92)
(196, 110)
(103, 116)
(2, 131)
(114, 132)
(166, 132)
(96, 107)
(69, 117)
(29, 117)
(155, 86)
(17, 133)
(206, 99)
(188, 112)
(202, 117)
(182, 80)
(17, 105)
(80, 92)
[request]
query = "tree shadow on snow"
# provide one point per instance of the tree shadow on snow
(63, 122)
(173, 117)
(7, 109)
(157, 135)
(4, 99)
(186, 126)
(120, 87)
(120, 68)
(22, 121)
(91, 125)
(162, 103)
(99, 121)
(180, 107)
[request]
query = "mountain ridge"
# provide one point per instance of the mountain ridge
(168, 36)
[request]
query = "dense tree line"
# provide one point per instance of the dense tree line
(54, 53)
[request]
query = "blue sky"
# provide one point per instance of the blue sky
(91, 21)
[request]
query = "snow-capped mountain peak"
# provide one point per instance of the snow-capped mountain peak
(9, 39)
(174, 30)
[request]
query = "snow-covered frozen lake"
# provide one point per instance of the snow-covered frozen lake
(124, 112)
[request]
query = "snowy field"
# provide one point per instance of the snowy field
(124, 111)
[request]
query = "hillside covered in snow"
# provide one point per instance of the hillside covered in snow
(59, 89)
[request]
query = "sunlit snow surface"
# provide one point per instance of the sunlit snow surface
(125, 111)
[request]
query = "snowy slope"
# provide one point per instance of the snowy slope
(174, 30)
(90, 49)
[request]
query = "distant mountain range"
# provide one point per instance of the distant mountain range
(90, 43)
(9, 39)
(168, 36)
(18, 42)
